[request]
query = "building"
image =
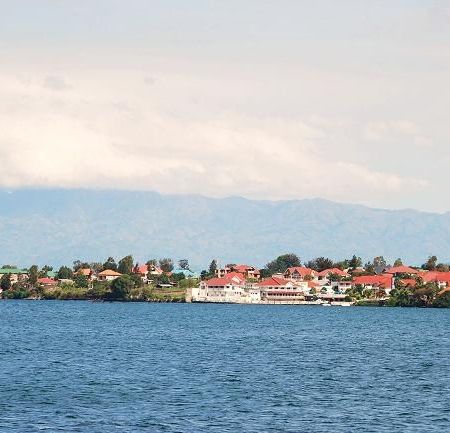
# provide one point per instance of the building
(15, 274)
(229, 289)
(281, 290)
(398, 271)
(383, 283)
(108, 275)
(249, 272)
(48, 283)
(300, 273)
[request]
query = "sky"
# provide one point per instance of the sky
(265, 99)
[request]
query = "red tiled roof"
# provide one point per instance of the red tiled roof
(243, 268)
(431, 276)
(302, 271)
(231, 278)
(411, 282)
(109, 273)
(402, 270)
(375, 280)
(273, 281)
(142, 269)
(46, 280)
(336, 271)
(84, 271)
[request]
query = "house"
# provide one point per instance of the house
(325, 274)
(87, 272)
(230, 289)
(154, 271)
(48, 283)
(15, 274)
(108, 275)
(300, 273)
(442, 279)
(142, 271)
(249, 272)
(384, 282)
(401, 270)
(278, 289)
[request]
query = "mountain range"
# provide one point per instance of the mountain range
(59, 226)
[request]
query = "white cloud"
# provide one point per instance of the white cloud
(114, 132)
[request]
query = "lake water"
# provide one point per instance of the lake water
(118, 367)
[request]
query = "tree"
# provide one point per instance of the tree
(430, 264)
(442, 267)
(65, 273)
(110, 264)
(152, 263)
(81, 281)
(320, 264)
(5, 282)
(398, 262)
(126, 265)
(379, 264)
(9, 267)
(166, 264)
(212, 268)
(355, 262)
(95, 266)
(33, 275)
(183, 264)
(121, 287)
(369, 268)
(281, 263)
(78, 264)
(45, 270)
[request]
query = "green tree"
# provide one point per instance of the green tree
(5, 282)
(355, 262)
(81, 281)
(33, 275)
(319, 264)
(430, 264)
(281, 263)
(126, 265)
(442, 301)
(45, 270)
(78, 264)
(166, 264)
(110, 264)
(398, 262)
(64, 273)
(212, 268)
(121, 287)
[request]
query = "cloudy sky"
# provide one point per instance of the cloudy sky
(280, 99)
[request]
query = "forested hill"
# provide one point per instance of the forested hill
(59, 226)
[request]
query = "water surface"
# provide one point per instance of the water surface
(121, 367)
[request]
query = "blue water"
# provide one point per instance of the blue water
(101, 367)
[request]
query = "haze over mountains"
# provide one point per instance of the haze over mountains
(59, 226)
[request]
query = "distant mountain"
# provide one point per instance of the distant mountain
(59, 226)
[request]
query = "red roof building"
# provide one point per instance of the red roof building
(382, 281)
(299, 273)
(335, 271)
(402, 270)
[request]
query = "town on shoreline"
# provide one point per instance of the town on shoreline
(285, 280)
